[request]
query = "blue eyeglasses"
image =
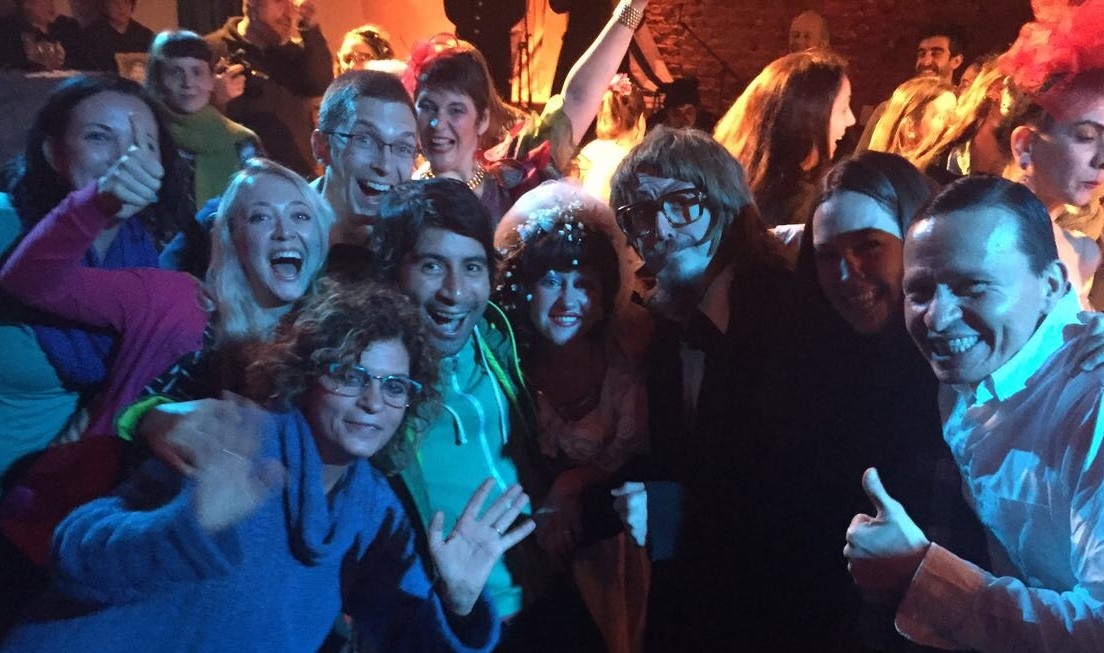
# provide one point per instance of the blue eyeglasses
(350, 380)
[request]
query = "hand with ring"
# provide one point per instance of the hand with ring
(465, 558)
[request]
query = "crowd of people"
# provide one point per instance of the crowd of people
(426, 371)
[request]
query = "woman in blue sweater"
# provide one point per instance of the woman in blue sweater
(284, 522)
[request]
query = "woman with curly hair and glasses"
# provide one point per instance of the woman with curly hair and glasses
(284, 521)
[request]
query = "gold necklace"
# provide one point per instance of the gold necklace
(477, 177)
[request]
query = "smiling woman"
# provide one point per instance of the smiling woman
(561, 279)
(867, 398)
(260, 540)
(469, 133)
(86, 125)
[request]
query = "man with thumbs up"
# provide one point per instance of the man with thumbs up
(988, 304)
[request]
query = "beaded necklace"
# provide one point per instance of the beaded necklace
(476, 179)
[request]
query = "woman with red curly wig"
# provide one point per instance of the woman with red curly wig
(469, 133)
(1054, 125)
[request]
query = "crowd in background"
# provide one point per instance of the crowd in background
(319, 350)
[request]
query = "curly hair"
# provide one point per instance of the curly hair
(36, 187)
(336, 323)
(555, 236)
(779, 119)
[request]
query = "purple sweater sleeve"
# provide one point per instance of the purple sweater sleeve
(158, 313)
(45, 270)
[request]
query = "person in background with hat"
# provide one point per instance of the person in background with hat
(682, 106)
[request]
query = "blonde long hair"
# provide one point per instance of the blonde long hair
(903, 114)
(240, 317)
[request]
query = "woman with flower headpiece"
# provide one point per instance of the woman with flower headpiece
(565, 284)
(620, 127)
(469, 133)
(1054, 124)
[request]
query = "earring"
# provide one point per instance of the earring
(1025, 161)
(529, 297)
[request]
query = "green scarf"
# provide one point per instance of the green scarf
(213, 139)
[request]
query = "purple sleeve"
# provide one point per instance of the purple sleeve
(45, 271)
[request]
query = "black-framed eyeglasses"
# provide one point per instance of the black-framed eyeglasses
(370, 142)
(679, 207)
(350, 380)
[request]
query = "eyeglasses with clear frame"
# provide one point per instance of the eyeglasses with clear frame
(679, 207)
(367, 141)
(350, 380)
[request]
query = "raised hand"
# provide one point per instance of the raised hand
(464, 559)
(883, 551)
(307, 10)
(230, 481)
(181, 433)
(229, 83)
(631, 504)
(133, 181)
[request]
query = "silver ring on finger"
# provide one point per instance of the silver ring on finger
(498, 530)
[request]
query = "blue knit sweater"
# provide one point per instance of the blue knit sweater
(138, 573)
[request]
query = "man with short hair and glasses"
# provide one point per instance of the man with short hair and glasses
(366, 139)
(713, 507)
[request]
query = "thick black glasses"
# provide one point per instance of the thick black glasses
(679, 208)
(350, 380)
(367, 141)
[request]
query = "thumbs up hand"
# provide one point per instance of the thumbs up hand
(883, 551)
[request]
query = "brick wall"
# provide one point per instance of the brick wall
(878, 37)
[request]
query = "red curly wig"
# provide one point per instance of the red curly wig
(1065, 40)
